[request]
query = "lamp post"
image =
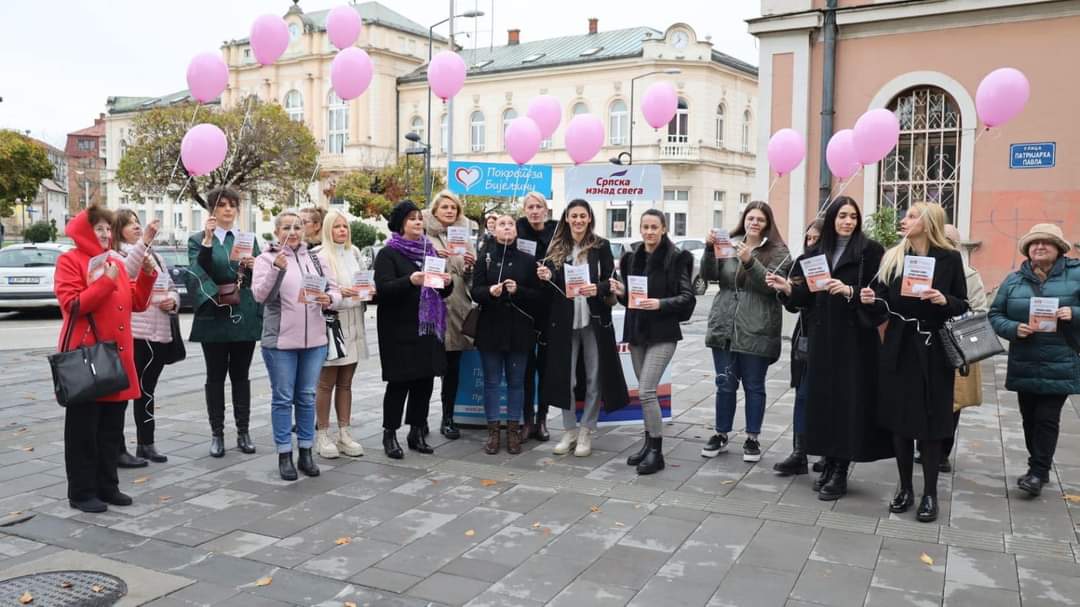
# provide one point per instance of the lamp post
(618, 159)
(419, 148)
(427, 144)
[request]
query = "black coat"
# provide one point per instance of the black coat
(505, 324)
(404, 354)
(842, 413)
(668, 270)
(915, 385)
(555, 381)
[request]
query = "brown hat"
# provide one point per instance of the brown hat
(1044, 231)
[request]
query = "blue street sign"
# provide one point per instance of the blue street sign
(499, 179)
(1033, 155)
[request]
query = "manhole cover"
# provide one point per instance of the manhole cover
(63, 588)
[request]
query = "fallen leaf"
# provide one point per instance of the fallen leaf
(341, 541)
(594, 508)
(16, 513)
(547, 531)
(140, 480)
(470, 533)
(28, 448)
(676, 465)
(536, 525)
(618, 524)
(925, 558)
(264, 581)
(349, 604)
(1072, 499)
(164, 498)
(487, 482)
(65, 584)
(97, 589)
(26, 598)
(21, 430)
(434, 481)
(727, 482)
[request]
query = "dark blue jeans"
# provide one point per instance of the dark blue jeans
(731, 368)
(497, 367)
(802, 395)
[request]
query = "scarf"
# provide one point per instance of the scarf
(432, 319)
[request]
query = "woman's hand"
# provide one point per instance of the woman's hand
(1064, 313)
(417, 279)
(442, 253)
(649, 304)
(111, 270)
(348, 292)
(710, 239)
(742, 250)
(150, 231)
(323, 299)
(543, 272)
(617, 287)
(837, 287)
(778, 283)
(281, 262)
(470, 259)
(588, 290)
(148, 265)
(1024, 330)
(511, 285)
(934, 296)
(167, 305)
(208, 231)
(247, 262)
(867, 295)
(496, 290)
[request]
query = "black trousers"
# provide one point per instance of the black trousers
(1042, 420)
(947, 444)
(149, 361)
(450, 383)
(93, 438)
(231, 358)
(418, 394)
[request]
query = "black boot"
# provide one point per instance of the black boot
(128, 460)
(306, 463)
(654, 456)
(636, 458)
(243, 442)
(447, 427)
(826, 473)
(1031, 484)
(928, 510)
(417, 442)
(819, 465)
(150, 453)
(241, 402)
(391, 446)
(215, 412)
(837, 485)
(217, 446)
(796, 462)
(285, 467)
(904, 500)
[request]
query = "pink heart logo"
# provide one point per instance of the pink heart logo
(467, 176)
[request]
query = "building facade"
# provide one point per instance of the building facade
(924, 60)
(86, 166)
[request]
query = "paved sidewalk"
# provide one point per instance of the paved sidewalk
(461, 527)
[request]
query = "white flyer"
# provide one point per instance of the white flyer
(243, 246)
(95, 268)
(161, 288)
(1043, 316)
(313, 286)
(458, 239)
(364, 284)
(918, 275)
(816, 271)
(637, 288)
(527, 246)
(576, 278)
(434, 272)
(723, 247)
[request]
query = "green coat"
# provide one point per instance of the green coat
(1043, 363)
(215, 324)
(746, 315)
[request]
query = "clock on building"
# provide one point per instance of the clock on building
(680, 39)
(294, 31)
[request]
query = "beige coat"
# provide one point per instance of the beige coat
(458, 304)
(350, 311)
(967, 391)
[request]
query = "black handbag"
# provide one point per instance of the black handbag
(175, 350)
(968, 339)
(87, 373)
(335, 335)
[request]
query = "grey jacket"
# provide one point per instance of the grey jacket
(746, 315)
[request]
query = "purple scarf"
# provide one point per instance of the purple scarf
(432, 320)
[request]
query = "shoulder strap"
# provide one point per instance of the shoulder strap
(315, 262)
(73, 317)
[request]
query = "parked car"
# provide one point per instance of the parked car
(697, 249)
(26, 275)
(176, 260)
(622, 246)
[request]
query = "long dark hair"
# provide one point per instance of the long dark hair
(827, 243)
(771, 231)
(562, 243)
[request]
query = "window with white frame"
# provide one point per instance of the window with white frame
(672, 195)
(744, 199)
(476, 131)
(508, 116)
(746, 131)
(720, 125)
(337, 124)
(178, 220)
(579, 108)
(679, 127)
(719, 196)
(294, 105)
(416, 125)
(618, 123)
(444, 134)
(718, 218)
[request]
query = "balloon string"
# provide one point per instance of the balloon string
(982, 132)
(183, 189)
(239, 139)
(176, 164)
(833, 197)
(772, 185)
(918, 325)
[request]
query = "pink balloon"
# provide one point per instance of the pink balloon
(840, 154)
(787, 148)
(584, 137)
(343, 26)
(876, 133)
(269, 38)
(522, 139)
(350, 73)
(660, 103)
(446, 74)
(1001, 95)
(203, 149)
(546, 111)
(207, 76)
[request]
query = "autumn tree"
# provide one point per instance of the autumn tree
(269, 155)
(24, 163)
(372, 193)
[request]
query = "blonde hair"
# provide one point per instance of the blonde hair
(282, 215)
(330, 249)
(536, 196)
(933, 219)
(447, 194)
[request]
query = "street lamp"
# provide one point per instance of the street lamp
(419, 148)
(629, 155)
(86, 189)
(431, 34)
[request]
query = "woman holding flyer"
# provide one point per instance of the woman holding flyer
(582, 361)
(227, 320)
(448, 229)
(840, 380)
(918, 287)
(289, 281)
(1037, 309)
(504, 282)
(412, 283)
(745, 320)
(658, 294)
(534, 233)
(347, 274)
(152, 330)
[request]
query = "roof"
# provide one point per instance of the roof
(52, 149)
(98, 130)
(372, 13)
(124, 105)
(52, 186)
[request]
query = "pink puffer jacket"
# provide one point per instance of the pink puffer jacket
(287, 323)
(153, 324)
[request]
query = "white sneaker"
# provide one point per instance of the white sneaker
(584, 443)
(346, 444)
(566, 443)
(324, 446)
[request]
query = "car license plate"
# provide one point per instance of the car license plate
(23, 280)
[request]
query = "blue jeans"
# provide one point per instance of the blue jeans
(802, 395)
(293, 376)
(731, 368)
(498, 365)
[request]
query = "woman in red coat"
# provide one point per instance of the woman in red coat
(94, 279)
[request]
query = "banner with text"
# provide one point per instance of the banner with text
(499, 179)
(600, 182)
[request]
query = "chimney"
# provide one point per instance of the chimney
(593, 21)
(513, 37)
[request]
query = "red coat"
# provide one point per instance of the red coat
(111, 301)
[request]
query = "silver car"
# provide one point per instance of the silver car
(26, 275)
(697, 249)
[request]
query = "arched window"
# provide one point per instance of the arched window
(618, 123)
(476, 131)
(579, 108)
(294, 105)
(444, 134)
(678, 130)
(508, 116)
(720, 125)
(925, 165)
(416, 125)
(746, 131)
(337, 124)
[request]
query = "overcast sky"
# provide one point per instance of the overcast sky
(60, 60)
